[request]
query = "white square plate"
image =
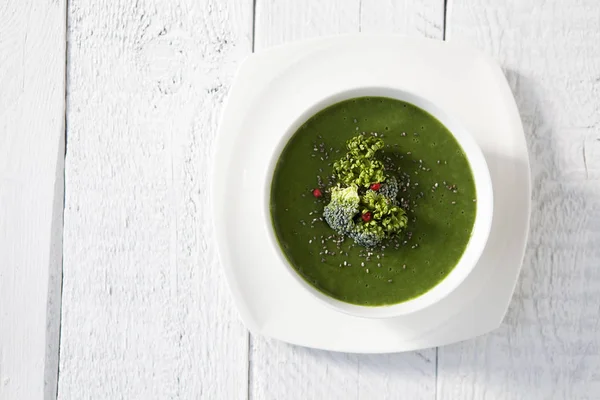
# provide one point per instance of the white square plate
(274, 88)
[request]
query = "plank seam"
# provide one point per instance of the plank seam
(587, 175)
(359, 16)
(60, 314)
(253, 24)
(249, 393)
(445, 19)
(437, 352)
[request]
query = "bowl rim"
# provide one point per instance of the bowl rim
(481, 226)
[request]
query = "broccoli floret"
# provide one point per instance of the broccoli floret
(388, 215)
(364, 146)
(385, 220)
(368, 216)
(342, 209)
(367, 234)
(359, 166)
(390, 189)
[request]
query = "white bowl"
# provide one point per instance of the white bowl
(479, 233)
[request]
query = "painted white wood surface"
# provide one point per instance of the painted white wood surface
(549, 344)
(32, 85)
(281, 371)
(146, 313)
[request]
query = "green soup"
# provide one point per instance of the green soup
(437, 191)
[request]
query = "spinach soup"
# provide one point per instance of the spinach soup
(373, 201)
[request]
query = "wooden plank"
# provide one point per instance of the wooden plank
(32, 101)
(278, 370)
(406, 17)
(548, 346)
(146, 311)
(279, 22)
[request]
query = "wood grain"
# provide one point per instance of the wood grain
(279, 370)
(146, 312)
(548, 346)
(412, 18)
(278, 22)
(32, 87)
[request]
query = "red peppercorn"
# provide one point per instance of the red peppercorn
(317, 192)
(367, 216)
(376, 186)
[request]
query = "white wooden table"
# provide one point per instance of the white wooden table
(118, 293)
